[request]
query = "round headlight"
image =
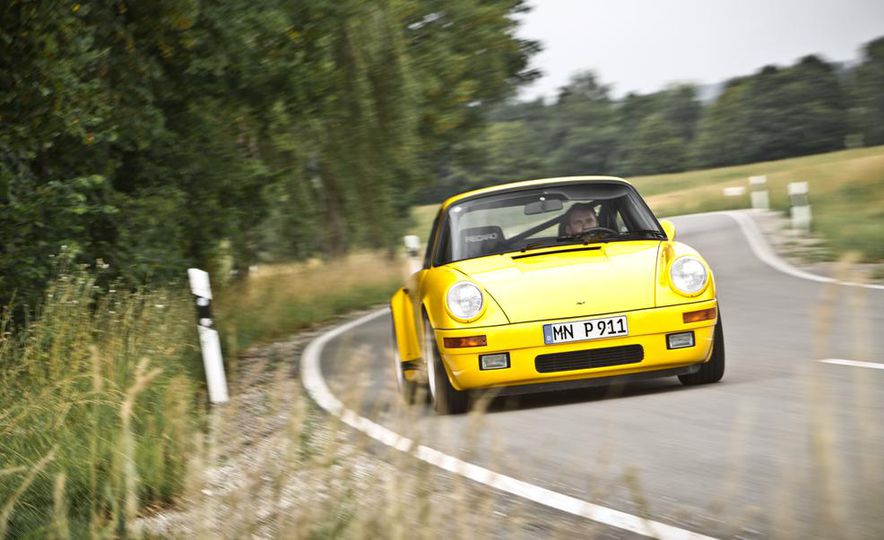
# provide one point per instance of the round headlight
(688, 275)
(464, 300)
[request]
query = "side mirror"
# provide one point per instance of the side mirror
(412, 245)
(669, 229)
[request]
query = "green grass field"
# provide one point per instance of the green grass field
(846, 195)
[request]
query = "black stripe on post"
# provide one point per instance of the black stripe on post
(204, 312)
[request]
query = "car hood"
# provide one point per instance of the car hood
(569, 281)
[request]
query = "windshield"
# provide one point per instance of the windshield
(545, 216)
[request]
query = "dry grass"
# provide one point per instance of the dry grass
(846, 195)
(97, 410)
(277, 300)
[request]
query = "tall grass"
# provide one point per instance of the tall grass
(277, 300)
(98, 407)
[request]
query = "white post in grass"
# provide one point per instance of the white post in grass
(758, 185)
(412, 252)
(209, 341)
(798, 196)
(734, 191)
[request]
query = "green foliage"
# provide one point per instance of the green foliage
(722, 129)
(147, 137)
(656, 148)
(868, 82)
(152, 134)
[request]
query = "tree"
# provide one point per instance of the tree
(656, 148)
(868, 92)
(582, 138)
(794, 111)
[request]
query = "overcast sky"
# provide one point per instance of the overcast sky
(641, 45)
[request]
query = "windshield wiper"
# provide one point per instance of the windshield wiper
(643, 232)
(536, 245)
(587, 236)
(594, 237)
(613, 236)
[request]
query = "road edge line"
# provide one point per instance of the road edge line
(852, 363)
(763, 250)
(311, 377)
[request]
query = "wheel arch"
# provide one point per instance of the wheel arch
(404, 333)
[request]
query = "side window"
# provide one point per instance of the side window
(618, 220)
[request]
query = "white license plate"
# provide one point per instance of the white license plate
(584, 330)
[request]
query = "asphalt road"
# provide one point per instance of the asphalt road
(784, 446)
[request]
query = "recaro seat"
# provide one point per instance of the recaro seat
(480, 241)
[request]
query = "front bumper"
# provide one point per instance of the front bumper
(524, 342)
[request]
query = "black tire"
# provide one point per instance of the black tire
(407, 389)
(443, 396)
(713, 370)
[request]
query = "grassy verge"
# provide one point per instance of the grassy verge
(846, 195)
(99, 396)
(97, 410)
(278, 300)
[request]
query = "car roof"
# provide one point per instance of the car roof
(528, 184)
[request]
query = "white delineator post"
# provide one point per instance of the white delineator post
(734, 191)
(209, 340)
(798, 196)
(412, 252)
(758, 185)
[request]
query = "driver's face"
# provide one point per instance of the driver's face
(580, 220)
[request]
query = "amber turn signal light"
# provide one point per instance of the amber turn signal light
(697, 316)
(469, 341)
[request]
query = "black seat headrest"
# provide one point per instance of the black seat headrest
(480, 241)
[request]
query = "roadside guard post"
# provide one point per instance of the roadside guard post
(412, 252)
(758, 185)
(798, 192)
(734, 191)
(209, 341)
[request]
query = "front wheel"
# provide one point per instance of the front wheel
(713, 370)
(445, 398)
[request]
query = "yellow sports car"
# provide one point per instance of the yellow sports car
(556, 283)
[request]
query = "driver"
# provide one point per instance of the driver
(579, 218)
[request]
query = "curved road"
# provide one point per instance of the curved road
(785, 445)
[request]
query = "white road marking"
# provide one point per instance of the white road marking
(759, 245)
(311, 375)
(853, 363)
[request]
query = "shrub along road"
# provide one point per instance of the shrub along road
(784, 444)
